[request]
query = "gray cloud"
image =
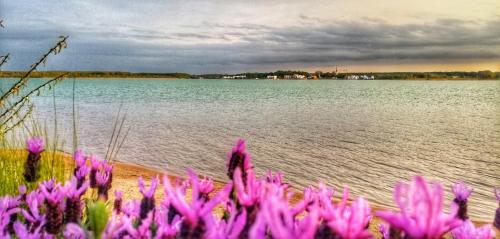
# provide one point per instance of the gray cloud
(232, 47)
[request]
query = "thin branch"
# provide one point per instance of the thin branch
(61, 44)
(21, 119)
(1, 24)
(4, 59)
(32, 92)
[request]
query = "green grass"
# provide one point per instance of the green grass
(13, 156)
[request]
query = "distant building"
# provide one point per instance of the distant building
(235, 77)
(272, 77)
(287, 77)
(297, 76)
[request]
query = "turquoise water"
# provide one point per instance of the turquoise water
(365, 134)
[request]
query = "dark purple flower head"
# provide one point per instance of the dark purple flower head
(421, 210)
(461, 191)
(73, 209)
(35, 145)
(74, 231)
(148, 200)
(95, 164)
(468, 231)
(32, 165)
(54, 209)
(238, 158)
(103, 185)
(117, 205)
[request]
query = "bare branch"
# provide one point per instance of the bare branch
(3, 59)
(61, 44)
(26, 97)
(1, 24)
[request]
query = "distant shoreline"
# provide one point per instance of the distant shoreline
(278, 75)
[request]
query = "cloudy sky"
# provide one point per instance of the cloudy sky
(228, 36)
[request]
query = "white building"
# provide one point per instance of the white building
(272, 77)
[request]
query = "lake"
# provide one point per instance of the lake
(365, 134)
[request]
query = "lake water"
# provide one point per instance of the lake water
(365, 134)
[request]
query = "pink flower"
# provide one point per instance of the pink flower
(461, 191)
(74, 231)
(148, 200)
(250, 192)
(79, 158)
(238, 158)
(468, 231)
(35, 145)
(384, 230)
(195, 211)
(421, 210)
(281, 223)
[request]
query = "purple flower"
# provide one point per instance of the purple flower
(384, 231)
(74, 231)
(53, 204)
(148, 199)
(468, 231)
(462, 192)
(34, 219)
(421, 210)
(250, 192)
(117, 205)
(351, 222)
(79, 158)
(35, 145)
(73, 209)
(193, 225)
(206, 187)
(95, 163)
(102, 179)
(238, 158)
(23, 233)
(32, 166)
(9, 208)
(281, 223)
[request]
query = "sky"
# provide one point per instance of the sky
(230, 36)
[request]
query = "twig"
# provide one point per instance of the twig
(32, 92)
(4, 59)
(61, 44)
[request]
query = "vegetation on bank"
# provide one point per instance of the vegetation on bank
(94, 74)
(452, 75)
